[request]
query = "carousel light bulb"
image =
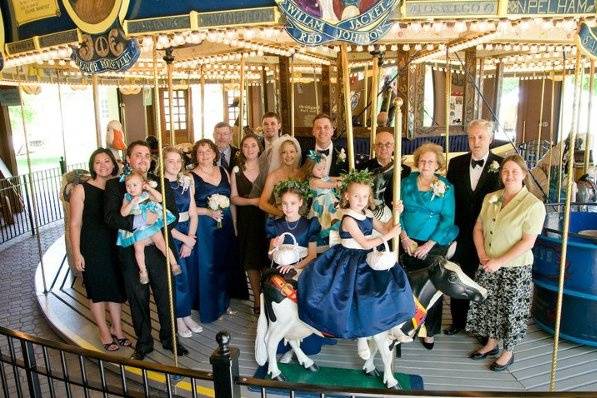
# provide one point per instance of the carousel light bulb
(415, 27)
(393, 47)
(418, 47)
(429, 47)
(381, 48)
(371, 47)
(359, 48)
(460, 27)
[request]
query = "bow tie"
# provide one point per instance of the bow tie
(325, 152)
(475, 163)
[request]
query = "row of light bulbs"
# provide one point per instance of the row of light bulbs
(59, 53)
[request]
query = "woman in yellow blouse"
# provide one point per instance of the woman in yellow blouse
(504, 235)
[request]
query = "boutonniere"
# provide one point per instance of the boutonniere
(184, 181)
(152, 184)
(496, 200)
(341, 156)
(438, 188)
(494, 167)
(235, 170)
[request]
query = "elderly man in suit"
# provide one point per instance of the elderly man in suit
(138, 157)
(223, 140)
(474, 175)
(323, 131)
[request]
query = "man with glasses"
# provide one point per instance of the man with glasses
(223, 140)
(382, 167)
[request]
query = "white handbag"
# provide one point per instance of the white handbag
(287, 254)
(381, 260)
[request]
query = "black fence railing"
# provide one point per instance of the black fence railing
(34, 367)
(16, 201)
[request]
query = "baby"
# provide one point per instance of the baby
(140, 199)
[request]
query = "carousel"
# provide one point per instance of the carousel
(420, 69)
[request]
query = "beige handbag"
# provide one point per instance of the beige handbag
(287, 254)
(381, 260)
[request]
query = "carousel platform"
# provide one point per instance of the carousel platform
(446, 367)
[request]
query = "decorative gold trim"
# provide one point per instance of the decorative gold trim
(442, 13)
(1, 34)
(239, 14)
(23, 21)
(119, 10)
(161, 24)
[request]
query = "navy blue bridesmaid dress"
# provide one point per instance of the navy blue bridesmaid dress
(183, 296)
(217, 275)
(341, 296)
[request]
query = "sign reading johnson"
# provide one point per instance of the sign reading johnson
(314, 22)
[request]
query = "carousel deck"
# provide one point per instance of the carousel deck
(445, 368)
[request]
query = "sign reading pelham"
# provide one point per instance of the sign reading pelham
(588, 40)
(110, 51)
(314, 22)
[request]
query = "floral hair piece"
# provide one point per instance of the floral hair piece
(359, 177)
(300, 187)
(315, 156)
(126, 170)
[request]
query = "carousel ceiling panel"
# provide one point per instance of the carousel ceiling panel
(140, 9)
(25, 19)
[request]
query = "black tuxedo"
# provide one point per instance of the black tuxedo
(233, 158)
(468, 206)
(336, 167)
(388, 184)
(138, 294)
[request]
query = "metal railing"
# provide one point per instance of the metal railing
(17, 201)
(34, 367)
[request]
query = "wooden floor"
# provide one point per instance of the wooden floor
(446, 367)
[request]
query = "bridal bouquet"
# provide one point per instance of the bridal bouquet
(218, 202)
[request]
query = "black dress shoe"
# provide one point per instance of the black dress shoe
(496, 367)
(452, 330)
(180, 349)
(478, 356)
(140, 355)
(427, 345)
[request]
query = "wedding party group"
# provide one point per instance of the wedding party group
(230, 212)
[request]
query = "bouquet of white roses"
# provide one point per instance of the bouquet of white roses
(218, 202)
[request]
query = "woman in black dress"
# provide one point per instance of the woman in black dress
(94, 249)
(250, 219)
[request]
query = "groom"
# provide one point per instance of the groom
(474, 175)
(138, 157)
(323, 130)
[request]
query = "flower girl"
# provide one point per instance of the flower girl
(339, 293)
(140, 199)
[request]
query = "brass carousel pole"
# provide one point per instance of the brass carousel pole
(61, 117)
(35, 226)
(448, 94)
(316, 91)
(202, 101)
(588, 139)
(374, 88)
(292, 95)
(564, 249)
(241, 99)
(540, 125)
(275, 90)
(347, 107)
(551, 117)
(396, 177)
(158, 130)
(169, 58)
(524, 131)
(96, 111)
(366, 95)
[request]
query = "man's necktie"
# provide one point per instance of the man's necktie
(223, 161)
(325, 152)
(475, 163)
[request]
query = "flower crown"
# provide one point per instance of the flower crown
(300, 187)
(360, 177)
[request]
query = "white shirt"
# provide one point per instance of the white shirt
(475, 172)
(328, 160)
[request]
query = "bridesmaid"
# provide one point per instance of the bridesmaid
(250, 220)
(217, 275)
(184, 238)
(94, 250)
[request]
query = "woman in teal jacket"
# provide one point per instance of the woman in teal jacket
(427, 222)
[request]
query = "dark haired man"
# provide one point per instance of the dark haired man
(323, 131)
(138, 157)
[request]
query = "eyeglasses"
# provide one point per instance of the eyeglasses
(386, 145)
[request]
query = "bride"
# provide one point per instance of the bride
(284, 164)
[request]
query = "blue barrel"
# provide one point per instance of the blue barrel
(579, 307)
